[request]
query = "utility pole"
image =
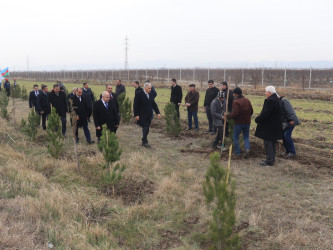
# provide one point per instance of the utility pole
(126, 53)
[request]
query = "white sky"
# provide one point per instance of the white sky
(82, 34)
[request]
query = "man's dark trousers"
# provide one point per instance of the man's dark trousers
(145, 132)
(270, 147)
(63, 125)
(212, 127)
(219, 136)
(44, 116)
(85, 130)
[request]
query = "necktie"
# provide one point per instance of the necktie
(111, 96)
(36, 93)
(107, 106)
(148, 96)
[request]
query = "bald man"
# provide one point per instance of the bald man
(105, 112)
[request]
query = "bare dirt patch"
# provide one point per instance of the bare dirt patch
(130, 190)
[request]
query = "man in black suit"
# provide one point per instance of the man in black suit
(105, 113)
(113, 96)
(120, 88)
(43, 105)
(137, 87)
(176, 95)
(58, 100)
(33, 98)
(80, 105)
(143, 104)
(90, 97)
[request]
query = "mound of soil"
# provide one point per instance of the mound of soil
(131, 191)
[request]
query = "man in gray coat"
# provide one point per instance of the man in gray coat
(289, 121)
(217, 109)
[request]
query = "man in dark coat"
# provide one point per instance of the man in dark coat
(58, 100)
(225, 88)
(89, 96)
(191, 102)
(120, 88)
(43, 105)
(211, 94)
(7, 86)
(289, 121)
(137, 87)
(113, 97)
(143, 104)
(176, 95)
(105, 113)
(217, 109)
(269, 126)
(33, 98)
(82, 111)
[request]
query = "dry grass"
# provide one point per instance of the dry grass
(42, 200)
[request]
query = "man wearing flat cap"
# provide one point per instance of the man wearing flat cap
(191, 102)
(269, 126)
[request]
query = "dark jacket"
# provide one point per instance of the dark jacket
(193, 99)
(81, 109)
(217, 109)
(211, 94)
(153, 91)
(6, 85)
(289, 114)
(33, 100)
(231, 98)
(43, 103)
(105, 116)
(241, 110)
(138, 89)
(114, 100)
(89, 95)
(120, 89)
(269, 121)
(143, 107)
(59, 102)
(176, 94)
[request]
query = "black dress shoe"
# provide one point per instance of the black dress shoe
(188, 129)
(91, 142)
(265, 163)
(146, 145)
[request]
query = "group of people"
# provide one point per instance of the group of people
(82, 102)
(275, 122)
(6, 86)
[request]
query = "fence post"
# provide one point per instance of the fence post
(208, 74)
(193, 75)
(285, 77)
(242, 76)
(310, 78)
(180, 75)
(224, 76)
(168, 74)
(262, 77)
(127, 75)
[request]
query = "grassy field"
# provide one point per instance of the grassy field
(160, 204)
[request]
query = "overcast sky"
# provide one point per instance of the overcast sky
(83, 34)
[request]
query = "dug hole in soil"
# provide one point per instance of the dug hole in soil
(131, 191)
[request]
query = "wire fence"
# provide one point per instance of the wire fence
(302, 78)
